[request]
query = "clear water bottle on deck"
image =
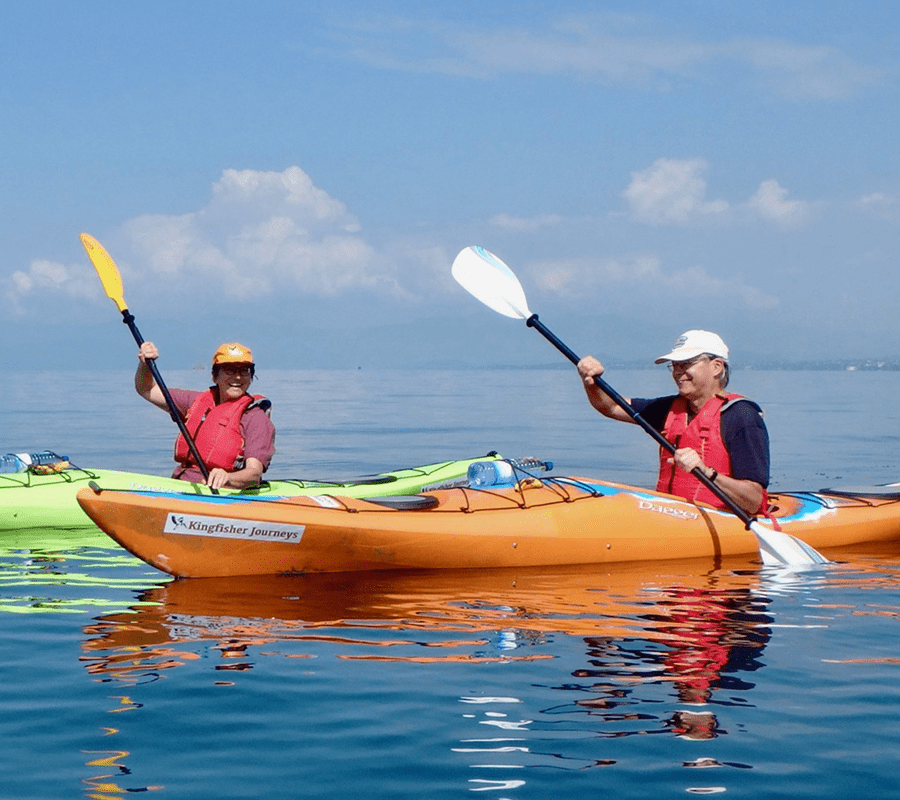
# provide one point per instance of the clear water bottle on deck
(43, 458)
(19, 462)
(490, 473)
(12, 462)
(531, 464)
(483, 474)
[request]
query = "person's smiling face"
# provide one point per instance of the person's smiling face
(233, 381)
(698, 379)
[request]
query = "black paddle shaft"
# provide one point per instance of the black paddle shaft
(534, 322)
(128, 319)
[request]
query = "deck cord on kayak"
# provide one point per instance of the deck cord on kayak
(824, 499)
(585, 487)
(521, 476)
(65, 476)
(559, 486)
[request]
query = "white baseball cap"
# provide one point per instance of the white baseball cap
(694, 343)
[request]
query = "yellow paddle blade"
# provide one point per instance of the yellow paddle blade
(106, 269)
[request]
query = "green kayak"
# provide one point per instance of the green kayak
(46, 500)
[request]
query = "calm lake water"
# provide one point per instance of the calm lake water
(669, 680)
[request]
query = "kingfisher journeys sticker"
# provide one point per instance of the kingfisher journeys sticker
(224, 528)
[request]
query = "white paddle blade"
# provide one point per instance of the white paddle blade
(488, 279)
(780, 549)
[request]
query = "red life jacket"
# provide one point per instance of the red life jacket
(703, 433)
(216, 430)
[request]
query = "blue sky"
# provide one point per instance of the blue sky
(300, 175)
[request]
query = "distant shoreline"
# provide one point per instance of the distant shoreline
(843, 365)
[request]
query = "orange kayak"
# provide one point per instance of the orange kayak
(550, 522)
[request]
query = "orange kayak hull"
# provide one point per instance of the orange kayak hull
(554, 522)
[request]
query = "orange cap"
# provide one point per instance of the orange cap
(232, 353)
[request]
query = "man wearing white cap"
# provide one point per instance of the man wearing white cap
(721, 433)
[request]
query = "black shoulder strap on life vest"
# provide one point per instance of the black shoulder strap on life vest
(728, 404)
(260, 402)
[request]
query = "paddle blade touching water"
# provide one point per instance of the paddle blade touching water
(489, 280)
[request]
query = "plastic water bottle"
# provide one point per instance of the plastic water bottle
(531, 464)
(482, 474)
(44, 457)
(13, 463)
(19, 462)
(490, 473)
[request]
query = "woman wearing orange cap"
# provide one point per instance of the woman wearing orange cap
(230, 427)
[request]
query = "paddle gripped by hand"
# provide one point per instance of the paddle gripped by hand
(492, 282)
(112, 285)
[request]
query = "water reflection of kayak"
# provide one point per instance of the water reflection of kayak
(46, 500)
(576, 601)
(549, 522)
(675, 630)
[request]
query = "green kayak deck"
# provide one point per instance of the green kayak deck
(47, 501)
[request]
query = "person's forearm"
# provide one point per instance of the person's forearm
(748, 495)
(143, 380)
(243, 478)
(249, 475)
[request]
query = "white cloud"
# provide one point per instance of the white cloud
(261, 230)
(671, 191)
(817, 72)
(271, 192)
(43, 275)
(881, 205)
(770, 202)
(525, 224)
(611, 47)
(645, 273)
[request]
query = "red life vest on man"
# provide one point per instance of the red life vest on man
(216, 430)
(702, 433)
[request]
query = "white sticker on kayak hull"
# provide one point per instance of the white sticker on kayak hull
(224, 528)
